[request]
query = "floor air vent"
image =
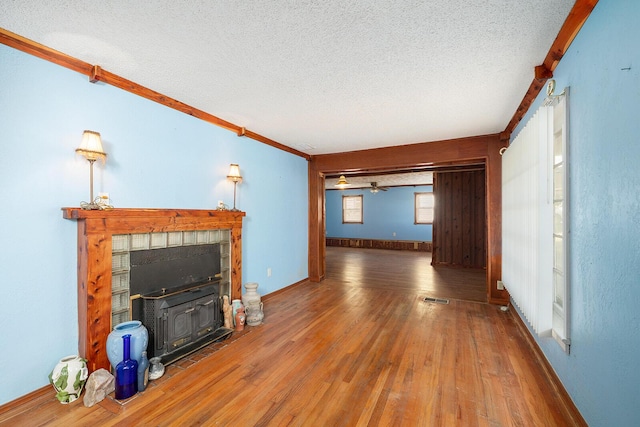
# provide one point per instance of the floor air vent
(436, 300)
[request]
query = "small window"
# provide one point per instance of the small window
(352, 209)
(559, 177)
(424, 203)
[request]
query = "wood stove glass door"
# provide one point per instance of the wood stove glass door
(180, 325)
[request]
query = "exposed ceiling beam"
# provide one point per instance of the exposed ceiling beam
(440, 167)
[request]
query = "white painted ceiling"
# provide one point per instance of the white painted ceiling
(320, 76)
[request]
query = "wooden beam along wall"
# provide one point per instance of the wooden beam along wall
(97, 74)
(572, 25)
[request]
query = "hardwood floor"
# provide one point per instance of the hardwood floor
(405, 271)
(360, 348)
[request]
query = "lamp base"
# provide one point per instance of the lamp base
(90, 206)
(95, 205)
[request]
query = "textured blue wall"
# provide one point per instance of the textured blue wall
(157, 158)
(602, 69)
(384, 213)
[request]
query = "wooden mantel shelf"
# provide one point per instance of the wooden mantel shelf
(95, 231)
(177, 214)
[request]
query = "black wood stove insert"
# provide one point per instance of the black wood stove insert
(179, 298)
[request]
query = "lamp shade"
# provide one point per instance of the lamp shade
(91, 146)
(342, 182)
(234, 173)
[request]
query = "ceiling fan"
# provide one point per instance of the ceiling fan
(374, 188)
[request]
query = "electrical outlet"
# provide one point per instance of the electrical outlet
(393, 234)
(500, 285)
(269, 272)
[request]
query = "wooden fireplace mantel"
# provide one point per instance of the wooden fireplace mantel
(95, 229)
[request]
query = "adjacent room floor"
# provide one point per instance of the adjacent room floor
(406, 271)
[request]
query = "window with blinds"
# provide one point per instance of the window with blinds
(424, 203)
(352, 209)
(535, 221)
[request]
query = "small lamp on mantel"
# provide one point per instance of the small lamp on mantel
(91, 149)
(234, 175)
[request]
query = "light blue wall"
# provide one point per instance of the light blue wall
(602, 69)
(384, 213)
(157, 158)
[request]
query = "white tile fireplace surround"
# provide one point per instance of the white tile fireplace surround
(100, 260)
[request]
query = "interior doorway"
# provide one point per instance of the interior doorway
(463, 152)
(460, 272)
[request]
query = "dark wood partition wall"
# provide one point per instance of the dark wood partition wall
(460, 228)
(480, 149)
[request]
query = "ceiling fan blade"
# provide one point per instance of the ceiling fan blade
(374, 186)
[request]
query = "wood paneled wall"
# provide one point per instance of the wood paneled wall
(399, 245)
(459, 229)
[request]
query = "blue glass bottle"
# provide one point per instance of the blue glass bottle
(143, 372)
(126, 372)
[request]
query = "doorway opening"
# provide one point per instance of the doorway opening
(454, 265)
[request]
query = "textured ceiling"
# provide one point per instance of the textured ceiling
(320, 76)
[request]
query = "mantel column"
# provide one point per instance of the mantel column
(94, 296)
(236, 263)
